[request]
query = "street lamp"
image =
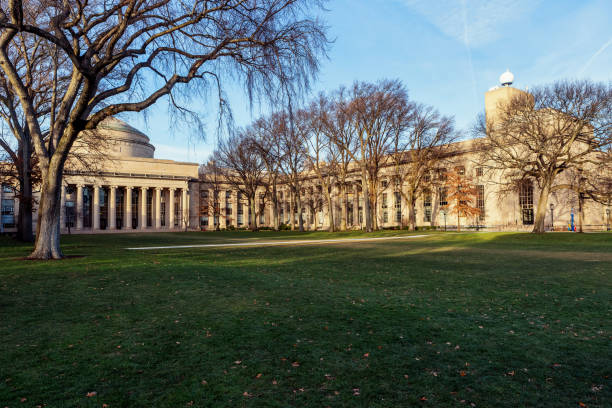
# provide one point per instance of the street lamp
(608, 219)
(552, 218)
(444, 214)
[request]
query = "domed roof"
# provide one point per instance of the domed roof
(506, 78)
(113, 123)
(114, 137)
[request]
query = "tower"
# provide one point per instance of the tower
(500, 94)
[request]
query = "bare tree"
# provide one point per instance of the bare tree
(370, 108)
(244, 169)
(29, 57)
(266, 141)
(128, 54)
(211, 175)
(419, 145)
(321, 153)
(293, 160)
(538, 136)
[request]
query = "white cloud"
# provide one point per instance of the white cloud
(472, 22)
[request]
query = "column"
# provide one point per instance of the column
(157, 208)
(222, 210)
(211, 210)
(95, 224)
(62, 206)
(405, 209)
(187, 208)
(171, 209)
(184, 209)
(79, 209)
(356, 205)
(127, 211)
(112, 208)
(235, 205)
(143, 208)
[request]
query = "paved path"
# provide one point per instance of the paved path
(273, 243)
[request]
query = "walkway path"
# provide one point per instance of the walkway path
(275, 243)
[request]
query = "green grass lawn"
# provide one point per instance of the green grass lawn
(487, 320)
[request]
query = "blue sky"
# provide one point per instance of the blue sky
(447, 53)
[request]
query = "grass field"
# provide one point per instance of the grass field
(487, 320)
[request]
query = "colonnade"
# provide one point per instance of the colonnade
(138, 207)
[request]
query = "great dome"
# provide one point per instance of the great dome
(114, 137)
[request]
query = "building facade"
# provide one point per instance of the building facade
(114, 184)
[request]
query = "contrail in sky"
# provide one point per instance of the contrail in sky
(466, 41)
(590, 61)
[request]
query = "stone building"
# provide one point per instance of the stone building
(114, 184)
(119, 186)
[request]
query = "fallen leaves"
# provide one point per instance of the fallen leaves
(91, 394)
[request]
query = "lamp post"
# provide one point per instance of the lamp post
(552, 218)
(444, 214)
(608, 219)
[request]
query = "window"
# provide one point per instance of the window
(398, 206)
(6, 188)
(177, 208)
(228, 203)
(442, 174)
(134, 221)
(526, 202)
(149, 198)
(460, 170)
(360, 210)
(8, 213)
(427, 207)
(203, 220)
(480, 201)
(87, 207)
(162, 210)
(70, 215)
(262, 210)
(384, 207)
(442, 196)
(384, 184)
(240, 210)
(478, 171)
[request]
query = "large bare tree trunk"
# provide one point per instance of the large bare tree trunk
(298, 199)
(275, 221)
(47, 245)
(330, 211)
(580, 212)
(366, 199)
(411, 211)
(24, 222)
(458, 222)
(540, 216)
(374, 208)
(343, 202)
(252, 215)
(291, 213)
